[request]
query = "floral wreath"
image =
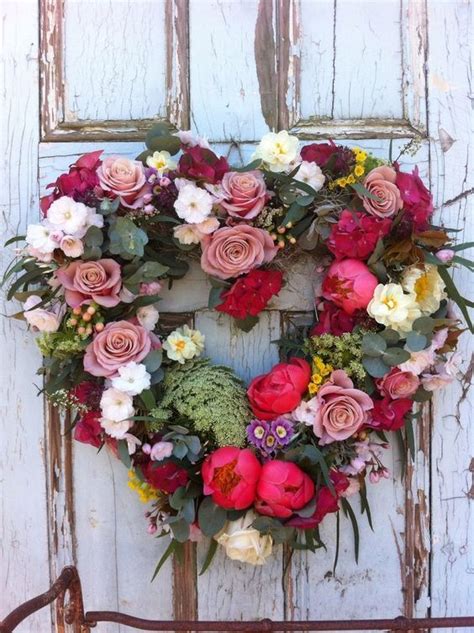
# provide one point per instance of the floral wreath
(249, 467)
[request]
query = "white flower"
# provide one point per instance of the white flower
(159, 451)
(133, 378)
(184, 344)
(426, 284)
(132, 443)
(42, 238)
(118, 430)
(116, 405)
(244, 543)
(193, 204)
(161, 161)
(148, 317)
(41, 319)
(187, 138)
(41, 257)
(195, 335)
(71, 246)
(68, 215)
(126, 296)
(277, 151)
(306, 411)
(310, 174)
(391, 307)
(187, 234)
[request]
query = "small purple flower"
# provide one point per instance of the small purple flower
(257, 431)
(282, 430)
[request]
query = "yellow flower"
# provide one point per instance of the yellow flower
(342, 182)
(145, 492)
(361, 156)
(350, 179)
(359, 170)
(313, 389)
(317, 379)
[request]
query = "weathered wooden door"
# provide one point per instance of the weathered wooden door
(83, 74)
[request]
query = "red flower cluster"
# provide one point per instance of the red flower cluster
(417, 200)
(333, 320)
(82, 178)
(88, 429)
(356, 235)
(167, 477)
(336, 158)
(250, 294)
(326, 501)
(389, 415)
(202, 164)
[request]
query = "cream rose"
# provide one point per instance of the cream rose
(244, 543)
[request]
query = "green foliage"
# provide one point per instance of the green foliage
(126, 239)
(211, 397)
(378, 356)
(60, 345)
(342, 352)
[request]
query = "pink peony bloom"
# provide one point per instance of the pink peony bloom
(245, 194)
(350, 285)
(340, 409)
(119, 343)
(233, 251)
(98, 281)
(381, 183)
(398, 384)
(124, 178)
(282, 488)
(417, 200)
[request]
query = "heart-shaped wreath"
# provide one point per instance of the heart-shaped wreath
(252, 467)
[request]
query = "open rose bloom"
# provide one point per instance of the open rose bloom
(259, 464)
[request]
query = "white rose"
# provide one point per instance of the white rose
(193, 204)
(118, 430)
(148, 317)
(310, 174)
(391, 307)
(39, 318)
(244, 543)
(278, 151)
(133, 378)
(71, 246)
(42, 238)
(426, 284)
(116, 405)
(68, 215)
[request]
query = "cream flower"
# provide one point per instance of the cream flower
(132, 379)
(161, 161)
(148, 317)
(244, 543)
(193, 233)
(42, 238)
(391, 307)
(39, 318)
(132, 443)
(195, 335)
(426, 284)
(71, 246)
(117, 430)
(277, 151)
(310, 174)
(184, 344)
(193, 204)
(68, 215)
(116, 405)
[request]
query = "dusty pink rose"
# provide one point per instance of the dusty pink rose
(245, 193)
(233, 251)
(398, 384)
(149, 288)
(349, 284)
(125, 178)
(340, 409)
(119, 343)
(98, 281)
(381, 183)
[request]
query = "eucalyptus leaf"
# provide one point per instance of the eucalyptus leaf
(373, 344)
(153, 360)
(395, 356)
(214, 297)
(211, 517)
(375, 366)
(416, 341)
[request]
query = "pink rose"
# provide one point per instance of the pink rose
(349, 284)
(381, 183)
(233, 251)
(124, 178)
(119, 343)
(98, 281)
(245, 193)
(149, 288)
(340, 409)
(398, 384)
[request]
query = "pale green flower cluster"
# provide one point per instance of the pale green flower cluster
(60, 345)
(342, 352)
(211, 397)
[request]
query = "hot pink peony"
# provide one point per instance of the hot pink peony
(124, 178)
(340, 409)
(233, 251)
(350, 285)
(417, 200)
(282, 488)
(381, 183)
(245, 194)
(119, 343)
(98, 281)
(326, 501)
(398, 384)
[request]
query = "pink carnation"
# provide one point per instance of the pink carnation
(98, 281)
(124, 178)
(245, 193)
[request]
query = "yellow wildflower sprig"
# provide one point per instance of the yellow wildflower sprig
(320, 371)
(358, 171)
(145, 492)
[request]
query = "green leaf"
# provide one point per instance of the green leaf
(148, 399)
(424, 325)
(107, 206)
(209, 556)
(462, 247)
(363, 192)
(214, 297)
(142, 156)
(159, 138)
(395, 356)
(12, 240)
(255, 164)
(211, 517)
(153, 360)
(416, 341)
(346, 506)
(364, 505)
(157, 376)
(246, 324)
(26, 279)
(294, 214)
(338, 540)
(422, 395)
(180, 530)
(149, 271)
(123, 453)
(127, 239)
(391, 336)
(375, 366)
(373, 344)
(167, 553)
(305, 201)
(94, 236)
(410, 437)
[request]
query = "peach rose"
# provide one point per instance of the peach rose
(119, 343)
(381, 183)
(245, 193)
(98, 281)
(125, 178)
(398, 384)
(233, 251)
(341, 410)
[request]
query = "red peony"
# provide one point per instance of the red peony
(356, 235)
(417, 199)
(389, 415)
(326, 501)
(202, 164)
(230, 475)
(82, 178)
(167, 477)
(332, 320)
(88, 429)
(250, 294)
(336, 158)
(282, 488)
(349, 284)
(281, 390)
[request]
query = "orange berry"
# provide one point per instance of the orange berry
(87, 316)
(72, 322)
(99, 326)
(81, 330)
(281, 230)
(77, 311)
(91, 310)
